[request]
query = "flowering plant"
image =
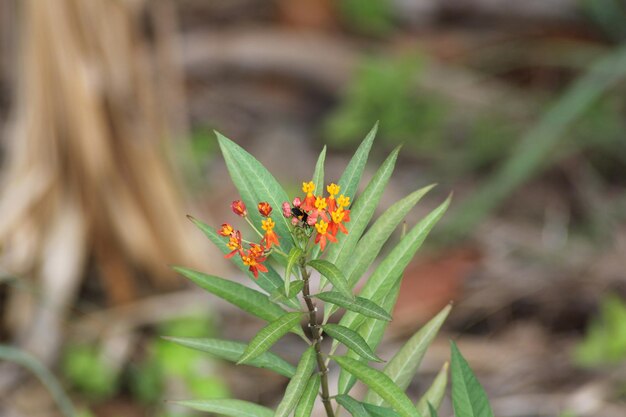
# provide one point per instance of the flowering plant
(326, 234)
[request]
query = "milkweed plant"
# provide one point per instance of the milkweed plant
(322, 236)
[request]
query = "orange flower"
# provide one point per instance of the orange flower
(333, 190)
(226, 230)
(337, 217)
(234, 244)
(239, 208)
(264, 208)
(254, 264)
(323, 235)
(270, 236)
(309, 200)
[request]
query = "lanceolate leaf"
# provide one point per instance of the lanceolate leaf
(403, 366)
(358, 304)
(333, 274)
(352, 340)
(256, 184)
(377, 411)
(307, 401)
(232, 351)
(294, 289)
(354, 407)
(227, 407)
(318, 180)
(372, 331)
(434, 395)
(351, 177)
(269, 335)
(298, 383)
(468, 396)
(390, 269)
(432, 411)
(380, 383)
(269, 281)
(292, 260)
(243, 297)
(361, 213)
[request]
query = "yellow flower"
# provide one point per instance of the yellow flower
(308, 187)
(333, 189)
(320, 203)
(343, 201)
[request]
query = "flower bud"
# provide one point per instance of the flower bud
(264, 208)
(312, 218)
(286, 210)
(297, 202)
(239, 208)
(226, 230)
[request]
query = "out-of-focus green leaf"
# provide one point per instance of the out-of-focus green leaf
(380, 383)
(270, 281)
(318, 175)
(243, 297)
(468, 396)
(358, 304)
(334, 275)
(402, 367)
(377, 411)
(391, 268)
(269, 335)
(354, 407)
(232, 351)
(256, 184)
(228, 407)
(351, 177)
(434, 395)
(432, 411)
(292, 259)
(298, 383)
(352, 340)
(307, 401)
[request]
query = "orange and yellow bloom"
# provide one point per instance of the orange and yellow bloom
(270, 236)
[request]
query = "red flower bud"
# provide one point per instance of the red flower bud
(264, 208)
(297, 202)
(226, 230)
(286, 210)
(239, 208)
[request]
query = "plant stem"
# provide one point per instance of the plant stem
(317, 340)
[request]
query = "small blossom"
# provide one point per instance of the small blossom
(309, 200)
(264, 208)
(295, 220)
(226, 230)
(239, 208)
(333, 189)
(343, 201)
(320, 203)
(287, 210)
(337, 217)
(297, 202)
(270, 236)
(254, 264)
(234, 244)
(308, 187)
(323, 235)
(312, 218)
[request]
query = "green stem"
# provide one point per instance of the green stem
(317, 339)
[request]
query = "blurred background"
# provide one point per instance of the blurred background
(106, 113)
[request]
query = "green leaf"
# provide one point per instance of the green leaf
(352, 340)
(269, 335)
(333, 274)
(294, 289)
(434, 395)
(468, 396)
(255, 184)
(391, 268)
(243, 297)
(372, 331)
(351, 177)
(380, 383)
(298, 383)
(432, 410)
(354, 407)
(228, 407)
(232, 351)
(402, 367)
(377, 411)
(361, 213)
(307, 401)
(269, 281)
(318, 175)
(294, 256)
(358, 304)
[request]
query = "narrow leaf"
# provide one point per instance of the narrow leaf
(434, 395)
(392, 267)
(307, 401)
(294, 289)
(358, 304)
(351, 177)
(432, 410)
(269, 281)
(294, 256)
(380, 383)
(232, 351)
(298, 383)
(403, 366)
(468, 396)
(318, 175)
(243, 297)
(372, 331)
(228, 407)
(269, 335)
(333, 274)
(255, 184)
(352, 340)
(377, 411)
(355, 408)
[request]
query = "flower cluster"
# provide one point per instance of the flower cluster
(326, 214)
(256, 253)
